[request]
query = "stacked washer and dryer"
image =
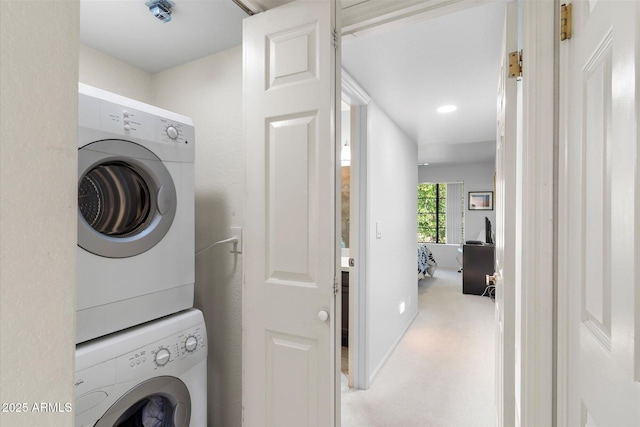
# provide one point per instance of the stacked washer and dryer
(141, 348)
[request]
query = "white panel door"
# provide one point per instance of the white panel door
(290, 216)
(505, 227)
(600, 217)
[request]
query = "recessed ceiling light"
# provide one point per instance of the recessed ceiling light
(447, 108)
(423, 164)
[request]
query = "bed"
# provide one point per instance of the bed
(426, 262)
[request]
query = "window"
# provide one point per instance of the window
(432, 215)
(441, 213)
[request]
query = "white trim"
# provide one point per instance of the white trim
(564, 218)
(251, 5)
(508, 143)
(536, 275)
(370, 18)
(358, 322)
(352, 91)
(336, 115)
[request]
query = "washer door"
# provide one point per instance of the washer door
(161, 401)
(126, 199)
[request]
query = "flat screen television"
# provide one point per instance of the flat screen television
(488, 238)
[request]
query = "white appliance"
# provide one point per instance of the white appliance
(155, 371)
(135, 213)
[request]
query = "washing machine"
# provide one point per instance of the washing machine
(135, 256)
(151, 374)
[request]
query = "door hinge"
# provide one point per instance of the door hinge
(515, 64)
(335, 38)
(335, 285)
(565, 22)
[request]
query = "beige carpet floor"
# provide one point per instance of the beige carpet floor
(442, 372)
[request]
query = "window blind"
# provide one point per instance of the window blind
(455, 210)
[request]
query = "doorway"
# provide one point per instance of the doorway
(466, 150)
(353, 363)
(346, 242)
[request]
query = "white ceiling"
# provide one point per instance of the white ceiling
(409, 69)
(128, 31)
(452, 59)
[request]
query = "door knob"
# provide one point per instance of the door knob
(323, 315)
(491, 280)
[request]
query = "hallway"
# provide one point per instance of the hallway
(442, 372)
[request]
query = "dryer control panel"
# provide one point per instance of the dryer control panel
(139, 124)
(169, 135)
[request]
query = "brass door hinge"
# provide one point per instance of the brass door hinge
(515, 64)
(565, 22)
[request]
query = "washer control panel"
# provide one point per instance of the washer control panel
(179, 351)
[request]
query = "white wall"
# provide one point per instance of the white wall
(38, 164)
(476, 177)
(209, 90)
(107, 73)
(392, 201)
(446, 255)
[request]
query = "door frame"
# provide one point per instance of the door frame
(507, 144)
(358, 98)
(536, 212)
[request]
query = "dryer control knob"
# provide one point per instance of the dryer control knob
(172, 132)
(162, 357)
(191, 343)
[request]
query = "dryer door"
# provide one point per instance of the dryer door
(126, 199)
(161, 401)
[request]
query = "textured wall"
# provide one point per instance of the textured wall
(38, 166)
(210, 91)
(107, 73)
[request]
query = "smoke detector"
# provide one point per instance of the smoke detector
(161, 9)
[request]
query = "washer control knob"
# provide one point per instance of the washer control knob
(162, 357)
(172, 132)
(191, 343)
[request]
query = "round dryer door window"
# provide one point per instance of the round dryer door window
(126, 199)
(115, 200)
